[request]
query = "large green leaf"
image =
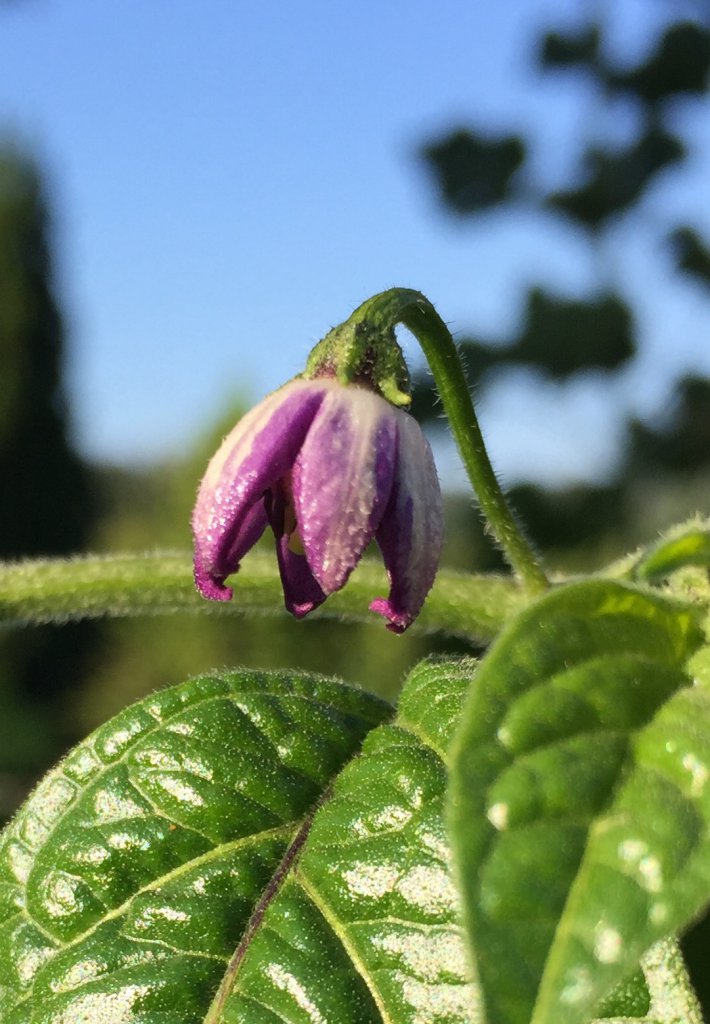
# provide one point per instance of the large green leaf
(191, 864)
(129, 877)
(578, 806)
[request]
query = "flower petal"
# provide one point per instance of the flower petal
(211, 585)
(301, 590)
(411, 533)
(259, 450)
(342, 480)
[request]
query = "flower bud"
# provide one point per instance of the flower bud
(329, 466)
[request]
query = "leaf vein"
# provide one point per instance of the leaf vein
(331, 920)
(217, 851)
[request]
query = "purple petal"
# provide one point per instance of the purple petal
(342, 480)
(301, 590)
(411, 533)
(211, 585)
(261, 448)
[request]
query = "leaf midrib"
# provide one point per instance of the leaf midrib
(243, 841)
(288, 869)
(269, 894)
(311, 890)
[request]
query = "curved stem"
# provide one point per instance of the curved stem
(413, 310)
(56, 591)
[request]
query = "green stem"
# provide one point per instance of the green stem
(413, 310)
(56, 591)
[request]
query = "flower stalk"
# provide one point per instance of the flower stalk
(331, 461)
(413, 310)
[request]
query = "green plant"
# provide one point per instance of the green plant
(522, 839)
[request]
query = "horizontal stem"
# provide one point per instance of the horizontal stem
(58, 590)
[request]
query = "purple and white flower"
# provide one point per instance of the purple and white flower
(329, 467)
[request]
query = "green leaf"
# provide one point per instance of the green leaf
(684, 546)
(130, 875)
(672, 998)
(629, 999)
(191, 864)
(577, 805)
(657, 993)
(366, 929)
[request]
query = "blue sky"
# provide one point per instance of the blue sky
(230, 179)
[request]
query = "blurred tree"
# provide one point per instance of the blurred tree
(617, 180)
(474, 172)
(683, 441)
(691, 254)
(564, 336)
(46, 504)
(678, 65)
(45, 509)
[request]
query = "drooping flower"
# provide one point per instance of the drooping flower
(328, 466)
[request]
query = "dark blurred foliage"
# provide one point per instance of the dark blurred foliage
(46, 502)
(679, 64)
(614, 181)
(570, 49)
(46, 510)
(602, 328)
(691, 254)
(475, 172)
(681, 440)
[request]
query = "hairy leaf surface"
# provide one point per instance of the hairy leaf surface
(129, 877)
(366, 928)
(578, 804)
(659, 992)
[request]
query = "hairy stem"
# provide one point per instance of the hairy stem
(56, 591)
(413, 310)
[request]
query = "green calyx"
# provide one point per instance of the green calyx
(363, 351)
